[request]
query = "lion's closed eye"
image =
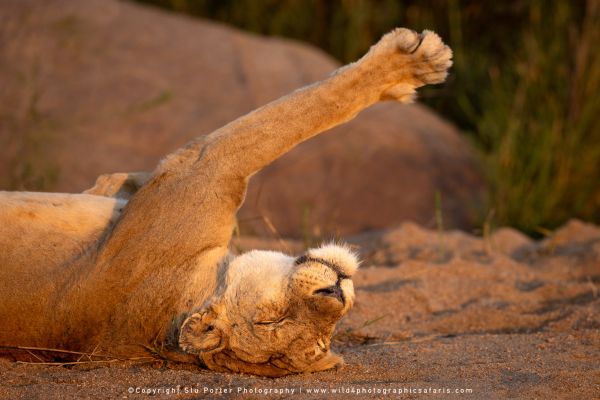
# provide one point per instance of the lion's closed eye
(273, 321)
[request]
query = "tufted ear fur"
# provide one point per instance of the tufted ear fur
(200, 333)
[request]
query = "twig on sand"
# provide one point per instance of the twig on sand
(107, 358)
(416, 340)
(30, 348)
(89, 356)
(351, 330)
(35, 355)
(62, 363)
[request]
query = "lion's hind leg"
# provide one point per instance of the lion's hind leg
(120, 185)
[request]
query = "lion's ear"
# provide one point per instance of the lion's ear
(199, 333)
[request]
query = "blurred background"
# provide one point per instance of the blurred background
(522, 99)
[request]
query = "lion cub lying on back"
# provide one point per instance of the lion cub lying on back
(84, 272)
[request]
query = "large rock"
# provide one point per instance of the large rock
(99, 86)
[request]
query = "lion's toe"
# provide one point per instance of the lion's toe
(402, 39)
(434, 58)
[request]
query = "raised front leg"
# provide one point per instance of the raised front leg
(392, 69)
(188, 207)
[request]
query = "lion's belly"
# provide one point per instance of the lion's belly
(40, 233)
(46, 229)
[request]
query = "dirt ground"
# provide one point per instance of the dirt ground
(437, 316)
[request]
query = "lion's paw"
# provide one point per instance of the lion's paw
(414, 59)
(434, 59)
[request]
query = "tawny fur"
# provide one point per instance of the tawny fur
(84, 272)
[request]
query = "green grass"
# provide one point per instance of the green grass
(539, 130)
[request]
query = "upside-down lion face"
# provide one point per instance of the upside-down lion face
(277, 313)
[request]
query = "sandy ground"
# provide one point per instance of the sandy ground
(436, 316)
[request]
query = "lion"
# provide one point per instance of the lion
(91, 273)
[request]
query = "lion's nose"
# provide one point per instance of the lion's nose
(331, 291)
